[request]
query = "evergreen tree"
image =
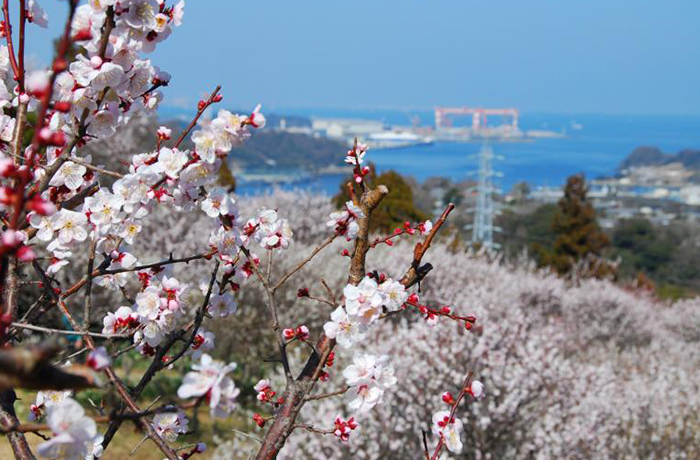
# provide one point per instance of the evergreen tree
(576, 230)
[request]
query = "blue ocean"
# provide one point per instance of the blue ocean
(593, 144)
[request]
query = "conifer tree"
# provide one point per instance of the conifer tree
(576, 230)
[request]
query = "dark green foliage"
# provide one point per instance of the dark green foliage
(576, 230)
(531, 231)
(666, 255)
(395, 209)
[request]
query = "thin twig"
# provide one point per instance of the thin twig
(327, 395)
(301, 264)
(65, 332)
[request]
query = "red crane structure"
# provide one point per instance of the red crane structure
(479, 116)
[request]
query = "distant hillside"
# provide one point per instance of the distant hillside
(653, 156)
(275, 149)
(268, 149)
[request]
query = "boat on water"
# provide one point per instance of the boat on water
(396, 140)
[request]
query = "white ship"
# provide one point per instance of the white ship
(395, 140)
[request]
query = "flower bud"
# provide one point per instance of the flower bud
(476, 389)
(62, 106)
(448, 398)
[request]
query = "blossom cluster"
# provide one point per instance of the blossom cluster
(364, 304)
(209, 380)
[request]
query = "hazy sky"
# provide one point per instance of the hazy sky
(611, 56)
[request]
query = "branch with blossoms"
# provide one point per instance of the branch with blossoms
(54, 205)
(445, 424)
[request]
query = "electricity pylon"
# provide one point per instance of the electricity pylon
(486, 207)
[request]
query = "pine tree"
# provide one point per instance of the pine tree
(576, 230)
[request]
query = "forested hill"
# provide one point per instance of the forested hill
(277, 149)
(653, 156)
(269, 149)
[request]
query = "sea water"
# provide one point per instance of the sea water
(593, 144)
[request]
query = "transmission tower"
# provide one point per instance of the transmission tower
(486, 208)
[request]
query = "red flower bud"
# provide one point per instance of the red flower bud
(259, 420)
(59, 65)
(62, 106)
(82, 35)
(448, 398)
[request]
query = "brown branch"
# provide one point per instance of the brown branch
(34, 427)
(327, 395)
(301, 264)
(416, 273)
(30, 367)
(272, 309)
(311, 429)
(158, 364)
(88, 288)
(297, 391)
(329, 291)
(123, 393)
(8, 418)
(49, 330)
(200, 111)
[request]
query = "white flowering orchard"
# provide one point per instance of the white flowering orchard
(60, 215)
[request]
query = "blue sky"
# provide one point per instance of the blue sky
(596, 56)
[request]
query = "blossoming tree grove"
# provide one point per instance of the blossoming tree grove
(60, 209)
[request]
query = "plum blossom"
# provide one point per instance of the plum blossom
(257, 119)
(269, 230)
(104, 122)
(164, 133)
(345, 222)
(173, 292)
(142, 14)
(59, 260)
(122, 320)
(70, 226)
(364, 300)
(344, 328)
(368, 377)
(208, 377)
(264, 389)
(98, 358)
(222, 305)
(104, 208)
(69, 174)
(149, 303)
(395, 294)
(425, 227)
(171, 160)
(74, 433)
(476, 389)
(218, 203)
(356, 157)
(203, 342)
(44, 226)
(170, 424)
(45, 399)
(36, 14)
(448, 430)
(344, 427)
